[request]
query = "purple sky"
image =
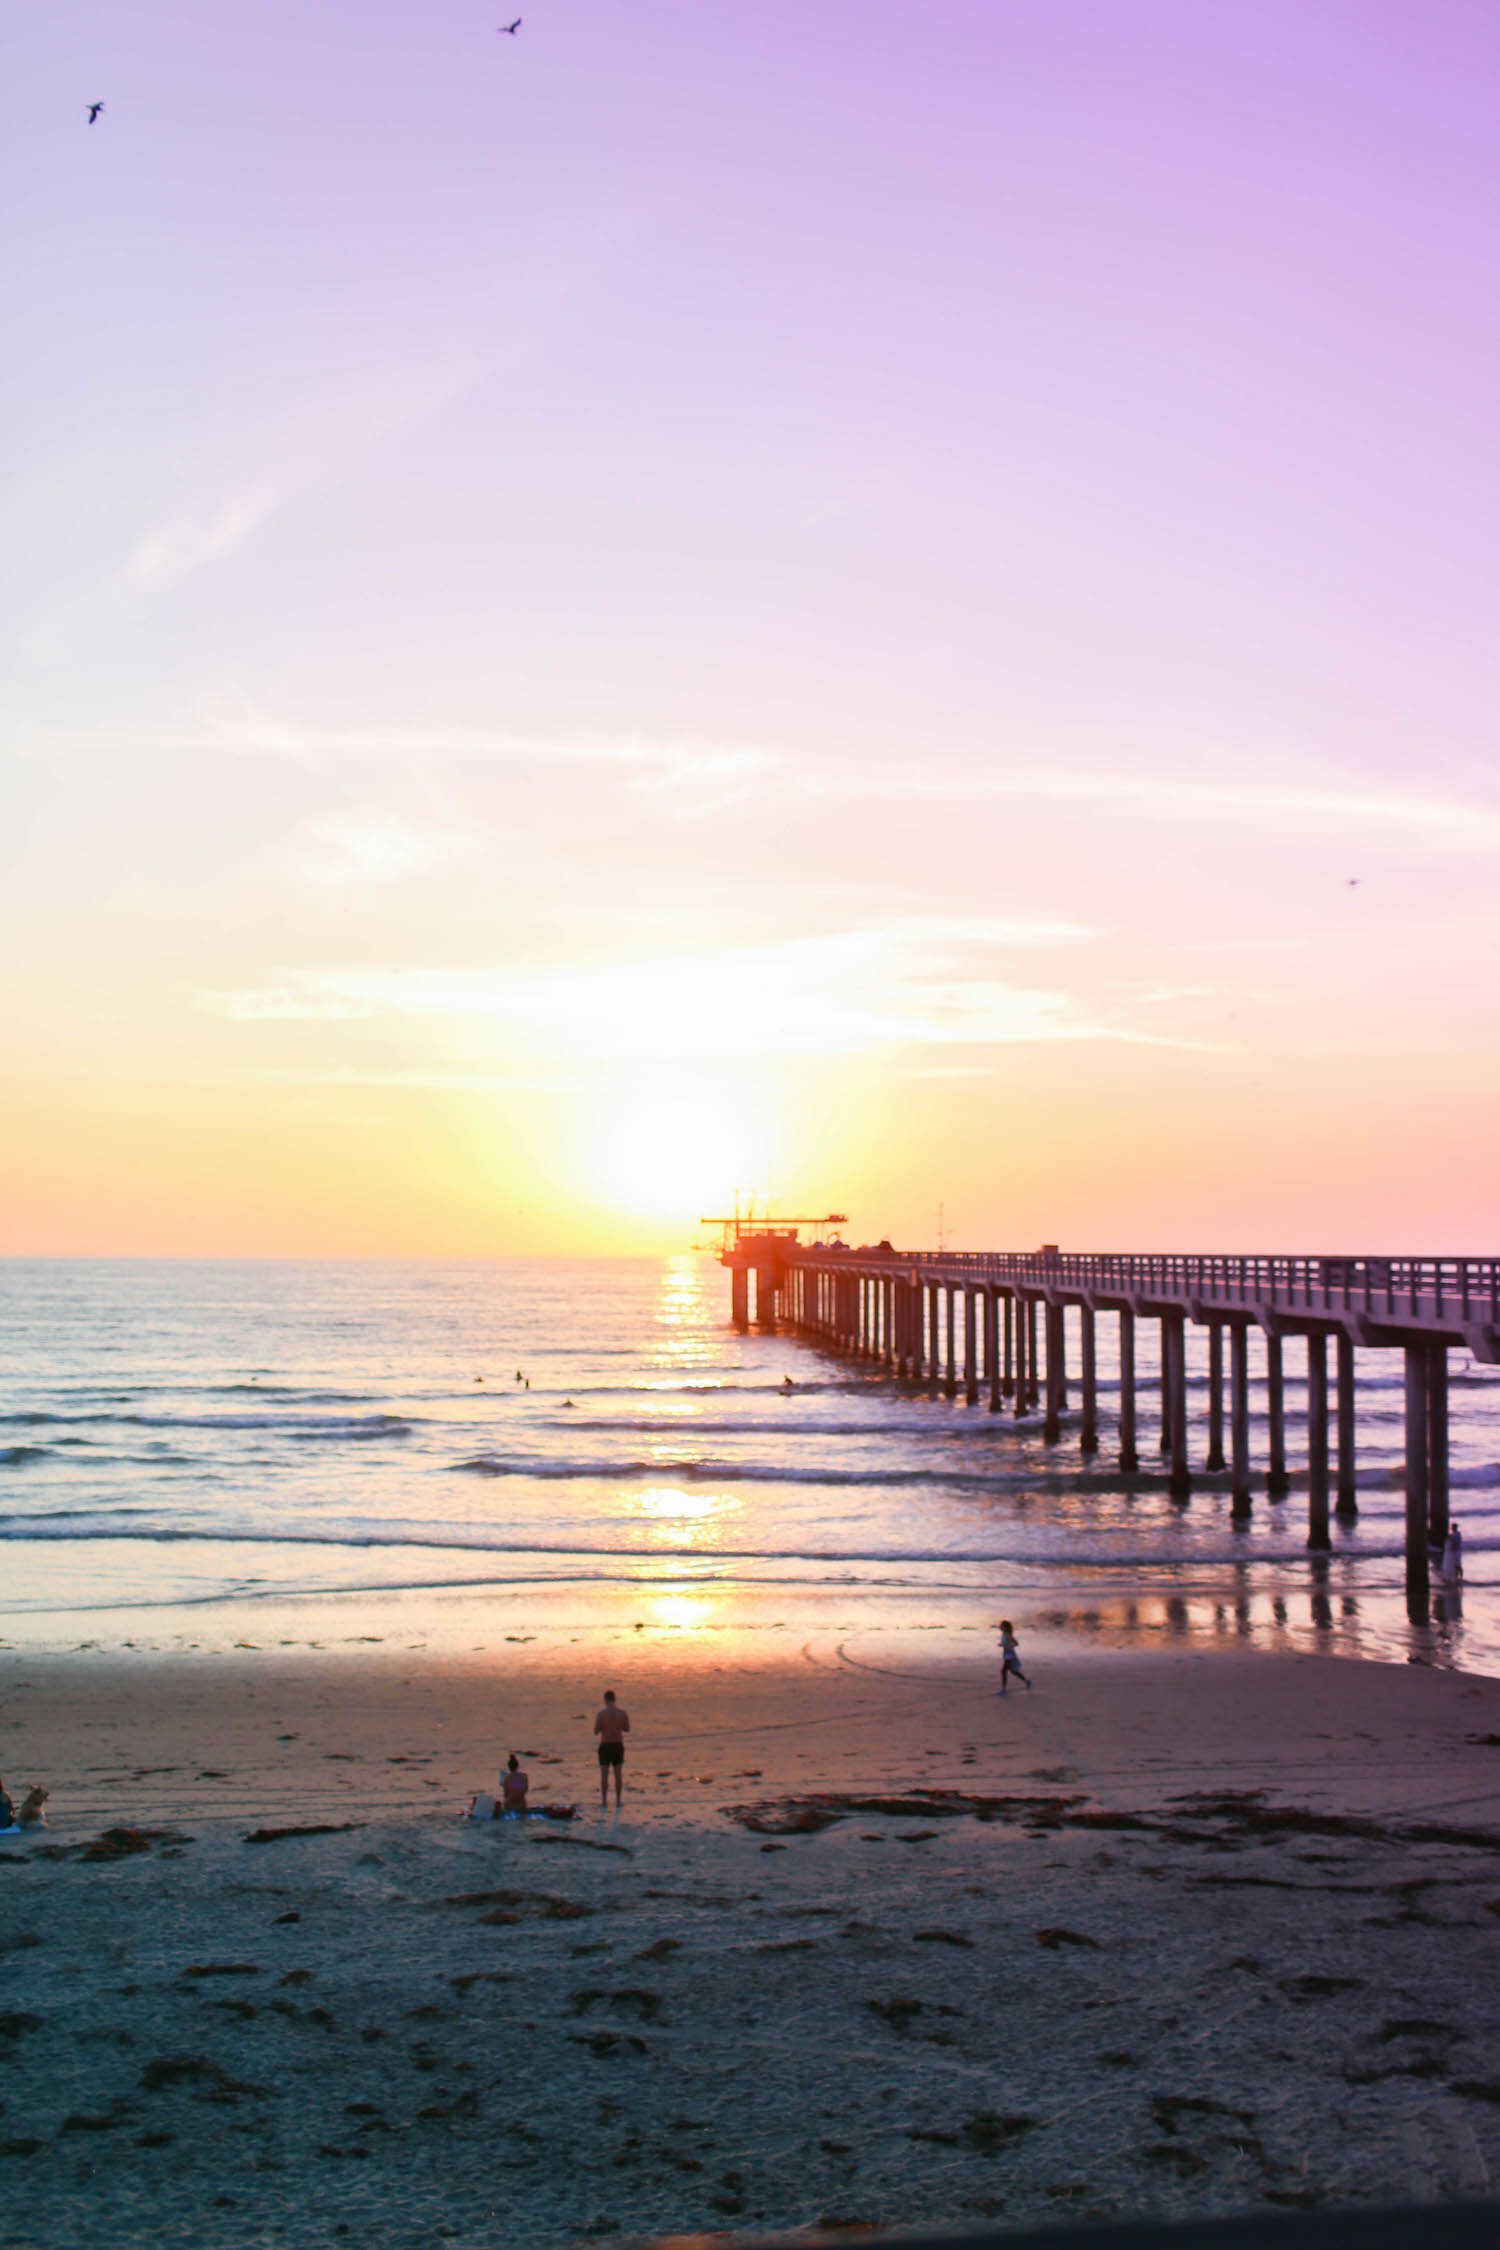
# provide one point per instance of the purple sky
(855, 571)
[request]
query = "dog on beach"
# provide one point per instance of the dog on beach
(33, 1812)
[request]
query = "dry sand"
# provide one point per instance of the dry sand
(1132, 1982)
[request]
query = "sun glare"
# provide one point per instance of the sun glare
(673, 1156)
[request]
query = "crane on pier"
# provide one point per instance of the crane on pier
(740, 1227)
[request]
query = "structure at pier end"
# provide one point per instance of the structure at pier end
(762, 1248)
(994, 1322)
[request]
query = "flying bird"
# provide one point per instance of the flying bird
(509, 30)
(96, 111)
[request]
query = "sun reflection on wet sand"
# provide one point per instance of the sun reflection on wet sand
(675, 1611)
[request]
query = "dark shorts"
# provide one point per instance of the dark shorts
(611, 1753)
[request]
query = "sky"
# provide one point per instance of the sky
(888, 610)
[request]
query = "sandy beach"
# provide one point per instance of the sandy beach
(1175, 1933)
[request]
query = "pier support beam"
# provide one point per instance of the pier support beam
(992, 1346)
(1418, 1574)
(1347, 1505)
(1239, 1420)
(1129, 1458)
(1437, 1446)
(1022, 1390)
(1088, 1377)
(1033, 1353)
(1008, 1345)
(950, 1384)
(1214, 1458)
(1052, 1427)
(1174, 1398)
(739, 1297)
(1278, 1484)
(1317, 1443)
(971, 1347)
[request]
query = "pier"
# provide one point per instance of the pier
(991, 1327)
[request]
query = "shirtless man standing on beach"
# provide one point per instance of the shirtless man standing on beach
(612, 1725)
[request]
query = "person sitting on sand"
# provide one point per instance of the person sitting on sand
(514, 1784)
(612, 1724)
(1010, 1655)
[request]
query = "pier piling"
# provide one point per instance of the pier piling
(1174, 1395)
(1052, 1427)
(1088, 1381)
(1278, 1484)
(1214, 1458)
(1239, 1419)
(1437, 1445)
(1347, 1504)
(1129, 1457)
(1418, 1570)
(1317, 1441)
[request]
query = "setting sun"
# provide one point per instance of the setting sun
(676, 1155)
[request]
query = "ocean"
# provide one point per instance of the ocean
(196, 1453)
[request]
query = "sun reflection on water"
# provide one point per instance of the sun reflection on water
(678, 1518)
(682, 1310)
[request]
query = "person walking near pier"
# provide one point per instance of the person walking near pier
(1453, 1556)
(1010, 1656)
(611, 1725)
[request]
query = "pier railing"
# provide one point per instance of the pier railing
(1416, 1288)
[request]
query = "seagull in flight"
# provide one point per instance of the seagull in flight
(96, 111)
(509, 30)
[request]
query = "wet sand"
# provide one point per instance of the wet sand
(1180, 1932)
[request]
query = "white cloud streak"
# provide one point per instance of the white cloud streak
(696, 778)
(918, 983)
(311, 450)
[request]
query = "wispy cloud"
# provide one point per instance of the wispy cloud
(349, 855)
(223, 506)
(1458, 823)
(683, 779)
(694, 778)
(192, 536)
(915, 983)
